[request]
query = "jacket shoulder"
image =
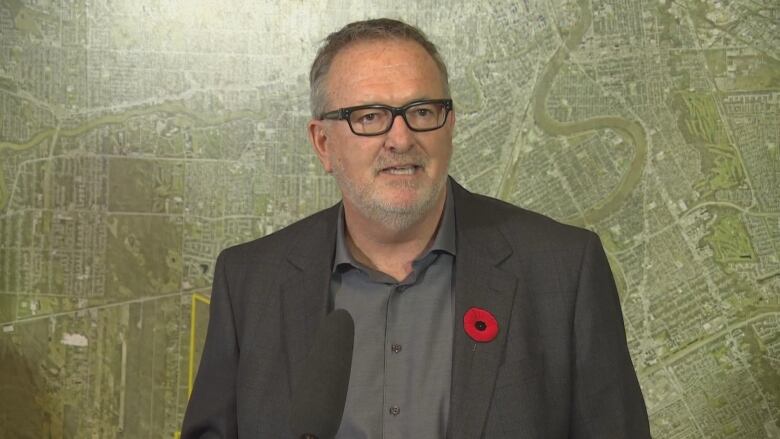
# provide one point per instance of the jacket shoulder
(306, 231)
(526, 228)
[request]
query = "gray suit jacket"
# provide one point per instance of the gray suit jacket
(559, 368)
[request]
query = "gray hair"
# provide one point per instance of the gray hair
(360, 31)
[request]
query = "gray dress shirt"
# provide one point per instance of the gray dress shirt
(401, 366)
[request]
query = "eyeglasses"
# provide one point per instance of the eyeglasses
(374, 120)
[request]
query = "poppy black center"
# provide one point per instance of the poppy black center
(480, 325)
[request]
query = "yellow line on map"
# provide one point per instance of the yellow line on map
(191, 376)
(196, 297)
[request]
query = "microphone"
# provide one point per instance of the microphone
(319, 398)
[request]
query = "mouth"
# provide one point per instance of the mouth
(409, 169)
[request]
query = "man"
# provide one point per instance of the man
(414, 258)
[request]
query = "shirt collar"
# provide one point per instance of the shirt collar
(443, 242)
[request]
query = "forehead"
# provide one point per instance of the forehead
(383, 71)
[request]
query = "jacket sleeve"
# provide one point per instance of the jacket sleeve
(211, 412)
(607, 401)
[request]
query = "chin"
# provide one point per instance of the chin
(398, 214)
(396, 207)
(408, 198)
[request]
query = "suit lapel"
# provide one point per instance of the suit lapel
(479, 282)
(305, 292)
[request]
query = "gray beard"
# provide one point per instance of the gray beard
(395, 218)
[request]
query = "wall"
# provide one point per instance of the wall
(138, 138)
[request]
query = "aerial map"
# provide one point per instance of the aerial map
(138, 138)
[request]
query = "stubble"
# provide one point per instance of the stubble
(394, 216)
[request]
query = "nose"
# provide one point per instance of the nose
(400, 138)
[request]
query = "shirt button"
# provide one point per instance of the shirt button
(395, 410)
(396, 348)
(401, 288)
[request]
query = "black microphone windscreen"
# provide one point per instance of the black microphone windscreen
(321, 388)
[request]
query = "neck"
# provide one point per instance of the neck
(389, 250)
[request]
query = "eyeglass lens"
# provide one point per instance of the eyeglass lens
(425, 116)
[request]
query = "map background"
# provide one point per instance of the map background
(138, 138)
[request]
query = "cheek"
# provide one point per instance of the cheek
(338, 151)
(359, 158)
(443, 152)
(353, 163)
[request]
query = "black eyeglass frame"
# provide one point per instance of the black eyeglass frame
(344, 113)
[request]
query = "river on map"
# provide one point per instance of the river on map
(630, 131)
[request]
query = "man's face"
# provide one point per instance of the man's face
(399, 175)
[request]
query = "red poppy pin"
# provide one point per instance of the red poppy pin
(480, 325)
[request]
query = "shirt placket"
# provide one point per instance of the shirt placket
(393, 419)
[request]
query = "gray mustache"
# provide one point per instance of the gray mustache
(390, 160)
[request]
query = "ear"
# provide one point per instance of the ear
(318, 137)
